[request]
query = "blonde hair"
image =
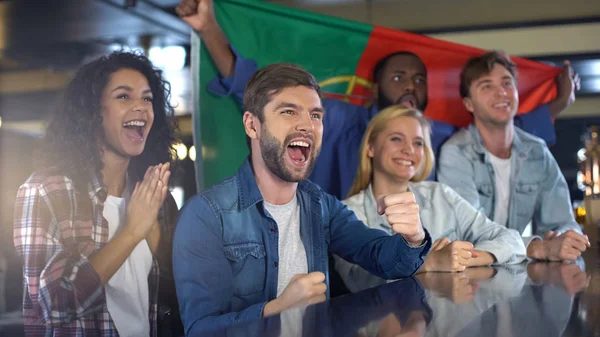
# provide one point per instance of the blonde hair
(364, 173)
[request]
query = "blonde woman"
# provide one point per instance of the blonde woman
(396, 156)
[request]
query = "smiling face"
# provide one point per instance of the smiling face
(398, 151)
(127, 113)
(493, 98)
(290, 135)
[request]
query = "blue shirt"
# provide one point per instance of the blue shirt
(225, 249)
(345, 124)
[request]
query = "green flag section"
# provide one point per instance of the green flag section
(341, 54)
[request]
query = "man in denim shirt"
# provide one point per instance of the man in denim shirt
(399, 78)
(257, 243)
(507, 173)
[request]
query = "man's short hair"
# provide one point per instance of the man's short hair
(480, 66)
(382, 62)
(270, 81)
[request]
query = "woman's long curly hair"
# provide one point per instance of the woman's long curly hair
(75, 130)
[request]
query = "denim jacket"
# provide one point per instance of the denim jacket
(225, 250)
(445, 215)
(538, 190)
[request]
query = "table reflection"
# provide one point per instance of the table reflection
(522, 300)
(529, 299)
(393, 309)
(542, 308)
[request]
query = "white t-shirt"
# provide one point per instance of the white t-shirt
(292, 255)
(502, 172)
(127, 296)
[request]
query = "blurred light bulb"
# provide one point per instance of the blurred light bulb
(180, 150)
(192, 153)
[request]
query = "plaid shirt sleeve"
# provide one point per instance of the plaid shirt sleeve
(61, 283)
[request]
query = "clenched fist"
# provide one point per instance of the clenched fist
(199, 14)
(303, 289)
(402, 213)
(449, 256)
(567, 246)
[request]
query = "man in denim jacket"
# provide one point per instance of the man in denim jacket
(257, 243)
(507, 173)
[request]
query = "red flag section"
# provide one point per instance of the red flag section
(444, 61)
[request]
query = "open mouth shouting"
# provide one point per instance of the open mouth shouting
(135, 130)
(299, 150)
(409, 101)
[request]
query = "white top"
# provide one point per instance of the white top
(502, 172)
(292, 255)
(127, 296)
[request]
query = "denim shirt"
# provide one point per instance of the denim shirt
(445, 215)
(225, 250)
(538, 190)
(344, 125)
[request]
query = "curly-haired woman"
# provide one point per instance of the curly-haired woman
(94, 226)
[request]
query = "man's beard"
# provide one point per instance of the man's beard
(274, 152)
(383, 101)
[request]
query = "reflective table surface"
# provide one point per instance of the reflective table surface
(529, 299)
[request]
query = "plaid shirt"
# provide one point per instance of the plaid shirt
(56, 231)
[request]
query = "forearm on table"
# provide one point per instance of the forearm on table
(483, 259)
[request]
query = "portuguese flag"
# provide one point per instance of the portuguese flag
(341, 54)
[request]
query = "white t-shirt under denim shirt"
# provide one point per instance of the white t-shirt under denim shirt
(502, 169)
(292, 258)
(292, 255)
(127, 295)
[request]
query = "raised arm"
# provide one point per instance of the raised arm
(200, 15)
(567, 83)
(540, 122)
(234, 69)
